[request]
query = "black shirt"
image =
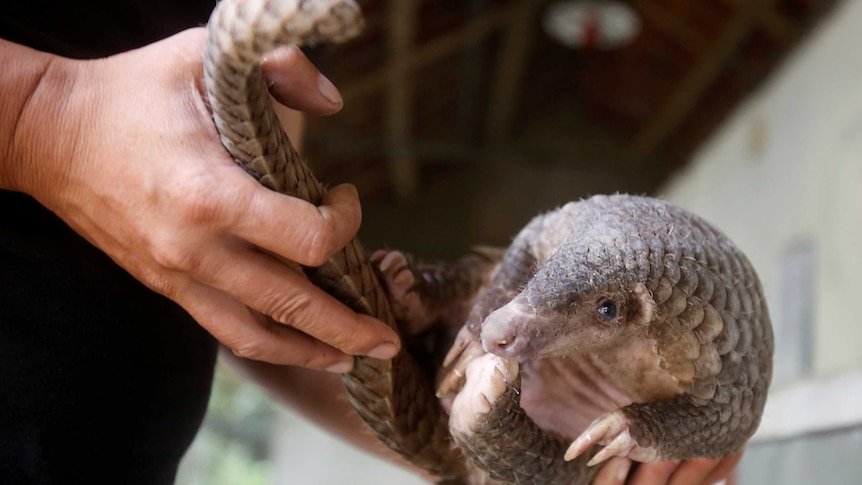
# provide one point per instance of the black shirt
(101, 380)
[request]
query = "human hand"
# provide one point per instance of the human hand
(697, 471)
(124, 150)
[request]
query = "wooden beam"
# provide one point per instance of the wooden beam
(473, 61)
(699, 78)
(776, 23)
(780, 27)
(400, 33)
(509, 72)
(683, 33)
(433, 50)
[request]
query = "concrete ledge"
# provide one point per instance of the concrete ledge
(814, 406)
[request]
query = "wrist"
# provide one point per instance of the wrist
(36, 127)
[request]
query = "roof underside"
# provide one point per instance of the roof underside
(467, 112)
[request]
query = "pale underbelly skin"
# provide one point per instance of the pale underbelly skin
(565, 395)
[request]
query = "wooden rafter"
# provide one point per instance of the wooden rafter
(509, 72)
(400, 32)
(777, 24)
(433, 50)
(700, 77)
(683, 33)
(780, 27)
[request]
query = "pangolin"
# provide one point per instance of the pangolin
(624, 309)
(633, 328)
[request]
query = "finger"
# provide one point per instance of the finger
(614, 472)
(693, 471)
(722, 469)
(704, 471)
(272, 288)
(654, 473)
(296, 83)
(298, 231)
(250, 335)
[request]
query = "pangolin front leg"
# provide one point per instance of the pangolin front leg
(489, 424)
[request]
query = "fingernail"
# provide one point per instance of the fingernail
(341, 367)
(383, 351)
(328, 90)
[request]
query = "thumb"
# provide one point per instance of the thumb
(296, 83)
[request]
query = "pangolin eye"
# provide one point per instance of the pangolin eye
(607, 309)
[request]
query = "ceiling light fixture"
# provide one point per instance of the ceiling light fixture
(596, 24)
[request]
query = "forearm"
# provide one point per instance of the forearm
(320, 398)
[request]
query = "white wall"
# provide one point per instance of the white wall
(787, 167)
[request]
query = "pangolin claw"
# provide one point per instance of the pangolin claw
(612, 431)
(465, 350)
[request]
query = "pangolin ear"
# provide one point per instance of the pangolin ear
(643, 309)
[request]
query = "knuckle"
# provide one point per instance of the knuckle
(162, 284)
(205, 201)
(199, 207)
(315, 361)
(290, 309)
(320, 244)
(193, 215)
(251, 350)
(169, 255)
(165, 283)
(355, 341)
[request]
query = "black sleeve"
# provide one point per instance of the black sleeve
(97, 28)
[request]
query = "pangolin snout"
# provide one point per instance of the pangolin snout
(503, 330)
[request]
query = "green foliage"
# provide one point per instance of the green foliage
(233, 443)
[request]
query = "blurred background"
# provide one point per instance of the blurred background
(465, 118)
